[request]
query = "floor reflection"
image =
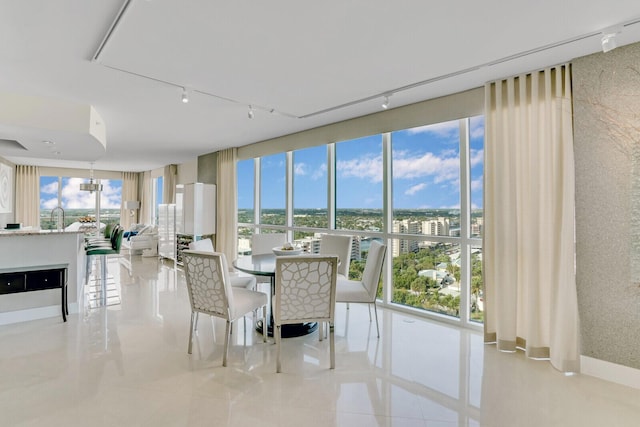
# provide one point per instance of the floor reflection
(127, 364)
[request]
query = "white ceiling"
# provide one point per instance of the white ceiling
(290, 59)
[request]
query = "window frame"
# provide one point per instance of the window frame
(465, 241)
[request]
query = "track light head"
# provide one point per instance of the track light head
(250, 112)
(608, 39)
(609, 42)
(185, 95)
(385, 103)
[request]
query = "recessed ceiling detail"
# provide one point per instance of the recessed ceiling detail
(27, 121)
(10, 144)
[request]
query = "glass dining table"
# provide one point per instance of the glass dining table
(265, 265)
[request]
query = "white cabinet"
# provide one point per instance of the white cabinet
(196, 209)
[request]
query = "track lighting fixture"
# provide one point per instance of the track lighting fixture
(250, 113)
(185, 95)
(608, 40)
(385, 103)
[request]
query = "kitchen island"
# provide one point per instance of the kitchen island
(40, 254)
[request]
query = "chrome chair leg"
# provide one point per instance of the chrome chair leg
(191, 328)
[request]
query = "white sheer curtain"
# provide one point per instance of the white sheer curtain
(129, 193)
(226, 219)
(529, 242)
(28, 195)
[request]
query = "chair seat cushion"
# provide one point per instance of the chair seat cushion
(245, 301)
(242, 281)
(102, 251)
(351, 291)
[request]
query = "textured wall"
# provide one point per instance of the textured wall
(606, 90)
(207, 168)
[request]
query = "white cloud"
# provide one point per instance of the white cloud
(368, 167)
(49, 203)
(444, 168)
(320, 172)
(445, 129)
(477, 127)
(300, 169)
(73, 198)
(51, 188)
(441, 168)
(111, 195)
(415, 188)
(476, 184)
(477, 157)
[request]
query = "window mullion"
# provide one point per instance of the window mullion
(331, 186)
(387, 215)
(465, 222)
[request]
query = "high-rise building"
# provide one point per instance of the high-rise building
(309, 244)
(476, 226)
(436, 227)
(403, 246)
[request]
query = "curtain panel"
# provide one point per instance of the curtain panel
(226, 204)
(129, 193)
(28, 195)
(529, 240)
(169, 180)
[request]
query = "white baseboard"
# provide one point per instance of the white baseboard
(26, 315)
(608, 371)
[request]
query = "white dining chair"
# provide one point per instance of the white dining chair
(305, 292)
(365, 290)
(334, 244)
(265, 242)
(210, 292)
(238, 280)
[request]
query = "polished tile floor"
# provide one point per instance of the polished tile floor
(127, 365)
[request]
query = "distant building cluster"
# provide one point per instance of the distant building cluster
(312, 245)
(433, 227)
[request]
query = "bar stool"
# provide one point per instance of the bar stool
(103, 251)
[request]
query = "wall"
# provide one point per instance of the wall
(606, 90)
(207, 168)
(187, 172)
(6, 218)
(458, 105)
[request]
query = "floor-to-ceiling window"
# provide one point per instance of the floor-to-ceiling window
(426, 213)
(309, 191)
(157, 194)
(80, 207)
(273, 183)
(418, 190)
(246, 203)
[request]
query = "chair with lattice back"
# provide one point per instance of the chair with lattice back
(238, 280)
(305, 291)
(210, 292)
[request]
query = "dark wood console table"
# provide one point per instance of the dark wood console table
(36, 278)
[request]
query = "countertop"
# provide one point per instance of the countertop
(35, 232)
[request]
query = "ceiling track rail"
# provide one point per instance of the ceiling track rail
(110, 31)
(387, 93)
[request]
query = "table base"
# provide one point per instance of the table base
(290, 330)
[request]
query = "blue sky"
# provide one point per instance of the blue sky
(425, 171)
(73, 198)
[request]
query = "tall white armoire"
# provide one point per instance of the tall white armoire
(195, 213)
